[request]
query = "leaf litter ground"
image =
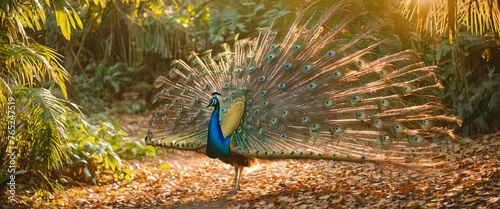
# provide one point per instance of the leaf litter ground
(178, 179)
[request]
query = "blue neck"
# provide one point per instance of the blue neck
(217, 145)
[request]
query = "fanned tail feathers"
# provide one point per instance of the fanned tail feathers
(323, 90)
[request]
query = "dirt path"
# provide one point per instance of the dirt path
(177, 179)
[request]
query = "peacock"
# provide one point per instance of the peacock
(327, 88)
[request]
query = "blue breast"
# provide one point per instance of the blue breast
(217, 145)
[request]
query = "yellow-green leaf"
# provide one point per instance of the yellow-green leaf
(62, 21)
(77, 19)
(70, 19)
(83, 129)
(164, 166)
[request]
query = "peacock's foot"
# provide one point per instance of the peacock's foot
(234, 188)
(232, 192)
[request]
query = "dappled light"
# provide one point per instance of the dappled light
(250, 104)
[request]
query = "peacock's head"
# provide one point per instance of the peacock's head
(214, 101)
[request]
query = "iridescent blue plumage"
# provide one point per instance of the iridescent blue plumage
(217, 144)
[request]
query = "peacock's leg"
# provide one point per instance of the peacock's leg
(237, 176)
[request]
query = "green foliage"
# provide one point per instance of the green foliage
(109, 80)
(152, 32)
(40, 127)
(39, 138)
(94, 150)
(471, 74)
(31, 118)
(129, 106)
(123, 31)
(105, 56)
(227, 18)
(31, 14)
(30, 64)
(66, 19)
(105, 84)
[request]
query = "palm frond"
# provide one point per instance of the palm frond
(443, 17)
(32, 64)
(18, 14)
(5, 92)
(45, 119)
(480, 16)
